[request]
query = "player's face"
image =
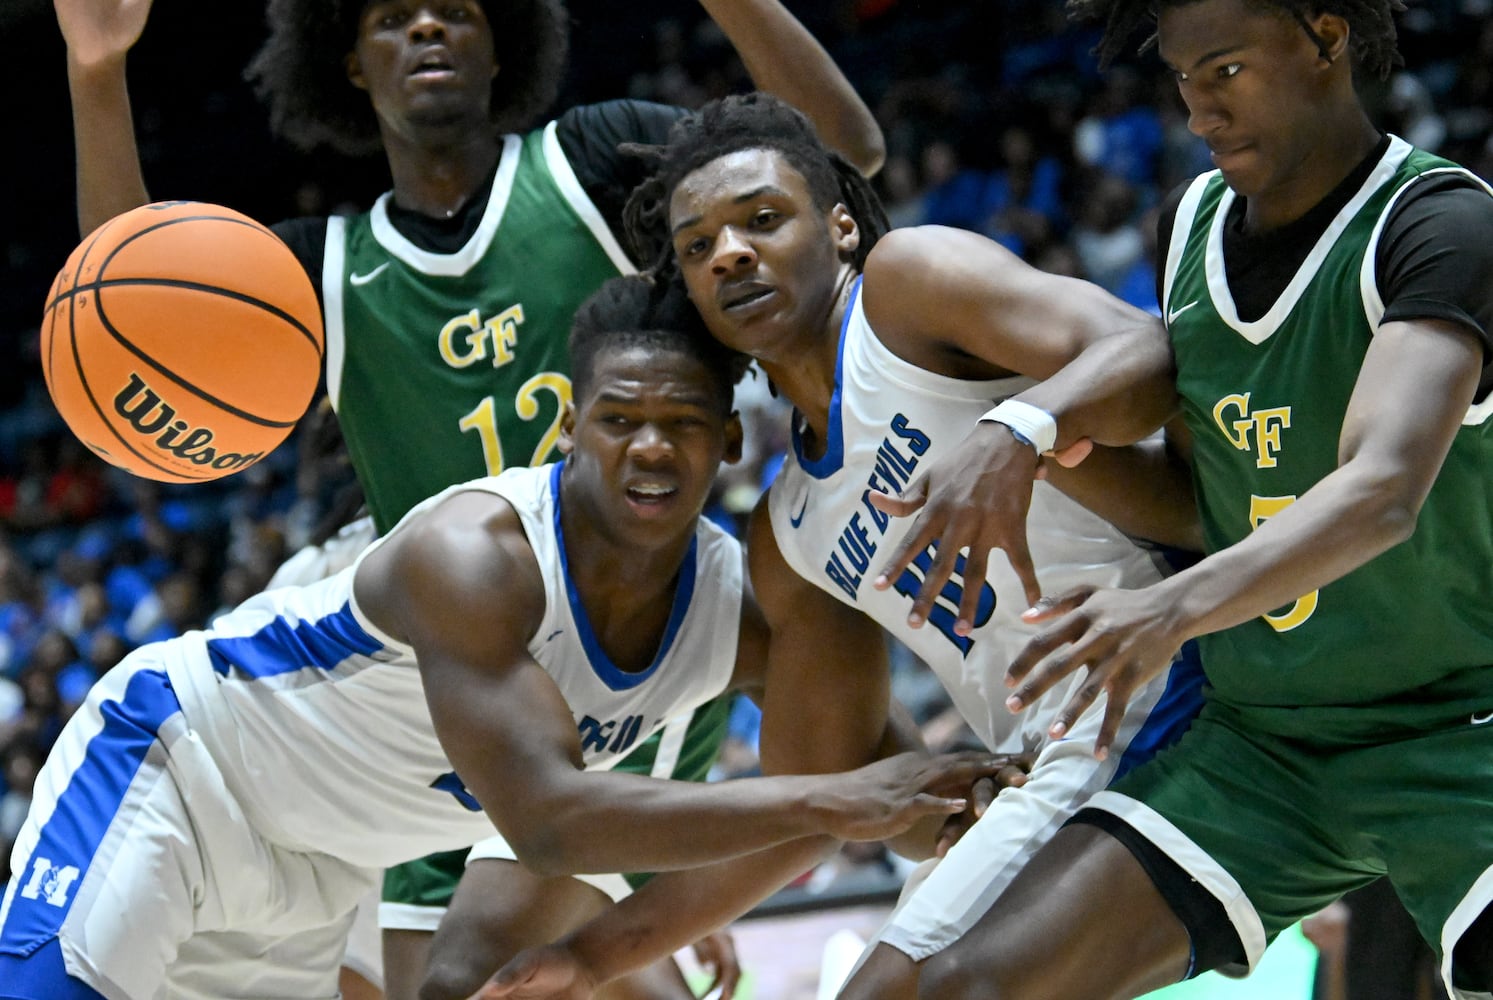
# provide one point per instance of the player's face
(1255, 88)
(646, 440)
(762, 263)
(425, 62)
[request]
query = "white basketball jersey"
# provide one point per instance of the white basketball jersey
(888, 421)
(319, 721)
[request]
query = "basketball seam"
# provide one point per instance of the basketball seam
(245, 222)
(200, 286)
(201, 394)
(88, 389)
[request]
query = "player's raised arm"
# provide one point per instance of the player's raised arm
(99, 33)
(784, 59)
(1107, 369)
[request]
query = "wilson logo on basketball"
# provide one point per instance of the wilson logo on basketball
(144, 410)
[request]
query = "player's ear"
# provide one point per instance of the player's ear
(734, 437)
(565, 444)
(1333, 36)
(354, 70)
(844, 231)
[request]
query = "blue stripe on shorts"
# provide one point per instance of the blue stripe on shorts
(42, 976)
(44, 892)
(1178, 705)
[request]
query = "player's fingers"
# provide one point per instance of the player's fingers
(1010, 776)
(922, 533)
(728, 975)
(1036, 650)
(1077, 704)
(909, 501)
(928, 804)
(1114, 714)
(956, 774)
(1049, 607)
(508, 980)
(1073, 454)
(974, 589)
(945, 559)
(1020, 557)
(1042, 675)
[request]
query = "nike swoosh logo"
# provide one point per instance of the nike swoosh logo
(363, 279)
(1171, 316)
(797, 519)
(556, 632)
(1481, 718)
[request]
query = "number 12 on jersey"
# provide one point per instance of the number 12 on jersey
(526, 404)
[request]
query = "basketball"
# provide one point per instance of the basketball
(182, 341)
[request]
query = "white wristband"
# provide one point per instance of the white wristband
(1031, 424)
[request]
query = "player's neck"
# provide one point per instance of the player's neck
(439, 180)
(808, 379)
(1339, 148)
(627, 590)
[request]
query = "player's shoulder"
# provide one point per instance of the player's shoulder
(609, 123)
(307, 238)
(463, 548)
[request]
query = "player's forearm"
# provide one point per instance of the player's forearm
(109, 179)
(1348, 518)
(1118, 390)
(1142, 489)
(608, 821)
(678, 908)
(784, 59)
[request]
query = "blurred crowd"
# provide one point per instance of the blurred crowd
(997, 120)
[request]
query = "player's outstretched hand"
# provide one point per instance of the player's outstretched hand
(976, 497)
(549, 972)
(882, 799)
(99, 30)
(716, 953)
(1124, 637)
(1013, 775)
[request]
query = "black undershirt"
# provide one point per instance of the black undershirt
(1432, 262)
(589, 136)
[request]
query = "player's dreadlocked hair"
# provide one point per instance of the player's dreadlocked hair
(1370, 24)
(299, 71)
(750, 121)
(636, 310)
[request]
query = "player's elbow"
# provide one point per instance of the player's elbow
(544, 850)
(1388, 507)
(1397, 522)
(869, 154)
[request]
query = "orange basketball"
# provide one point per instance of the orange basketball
(182, 341)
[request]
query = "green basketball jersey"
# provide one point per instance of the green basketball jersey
(447, 367)
(1265, 402)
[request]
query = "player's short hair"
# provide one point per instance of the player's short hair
(299, 71)
(728, 125)
(1370, 24)
(638, 311)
